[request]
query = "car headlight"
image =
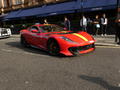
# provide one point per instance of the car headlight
(67, 39)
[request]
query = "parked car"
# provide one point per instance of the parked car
(56, 40)
(5, 32)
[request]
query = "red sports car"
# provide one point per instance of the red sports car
(56, 40)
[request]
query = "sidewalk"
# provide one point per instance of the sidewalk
(108, 40)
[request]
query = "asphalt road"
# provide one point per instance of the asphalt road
(33, 69)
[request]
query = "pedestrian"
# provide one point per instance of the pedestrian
(45, 21)
(83, 23)
(96, 25)
(67, 23)
(24, 26)
(104, 22)
(117, 35)
(89, 26)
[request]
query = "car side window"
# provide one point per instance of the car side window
(46, 29)
(34, 29)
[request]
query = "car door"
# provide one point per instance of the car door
(43, 37)
(33, 35)
(37, 38)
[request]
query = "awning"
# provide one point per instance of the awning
(2, 16)
(46, 10)
(99, 3)
(12, 14)
(62, 8)
(98, 8)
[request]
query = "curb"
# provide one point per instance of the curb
(107, 44)
(15, 36)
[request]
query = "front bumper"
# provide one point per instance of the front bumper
(5, 33)
(79, 50)
(4, 36)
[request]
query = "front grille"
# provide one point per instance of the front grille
(85, 47)
(81, 48)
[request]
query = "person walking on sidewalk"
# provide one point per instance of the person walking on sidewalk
(104, 22)
(83, 23)
(96, 23)
(45, 21)
(117, 29)
(89, 26)
(67, 23)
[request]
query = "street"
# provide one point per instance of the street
(33, 69)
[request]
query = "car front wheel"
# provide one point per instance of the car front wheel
(53, 47)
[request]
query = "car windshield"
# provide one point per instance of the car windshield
(51, 28)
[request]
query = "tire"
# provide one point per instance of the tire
(24, 42)
(53, 47)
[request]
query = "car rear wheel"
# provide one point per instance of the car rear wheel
(24, 42)
(53, 47)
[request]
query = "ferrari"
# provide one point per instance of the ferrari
(57, 40)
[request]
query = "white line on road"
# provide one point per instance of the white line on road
(107, 47)
(27, 53)
(119, 85)
(6, 50)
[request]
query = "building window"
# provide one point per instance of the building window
(7, 3)
(18, 2)
(0, 3)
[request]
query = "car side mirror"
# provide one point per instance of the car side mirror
(34, 31)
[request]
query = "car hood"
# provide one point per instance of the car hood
(79, 37)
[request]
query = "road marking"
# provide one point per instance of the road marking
(6, 50)
(119, 85)
(27, 53)
(107, 47)
(26, 82)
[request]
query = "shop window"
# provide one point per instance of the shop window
(0, 3)
(5, 3)
(17, 2)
